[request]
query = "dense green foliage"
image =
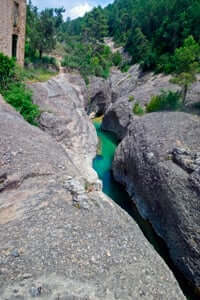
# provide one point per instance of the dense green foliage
(14, 90)
(88, 59)
(170, 101)
(117, 59)
(186, 62)
(40, 62)
(7, 73)
(150, 30)
(21, 99)
(42, 30)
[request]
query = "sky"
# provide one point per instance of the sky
(74, 8)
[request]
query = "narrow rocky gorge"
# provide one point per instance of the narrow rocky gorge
(61, 238)
(158, 163)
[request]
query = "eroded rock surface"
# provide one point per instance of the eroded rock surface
(62, 102)
(140, 86)
(100, 95)
(124, 83)
(60, 237)
(118, 117)
(158, 162)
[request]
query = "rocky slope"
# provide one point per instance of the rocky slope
(159, 163)
(142, 86)
(61, 238)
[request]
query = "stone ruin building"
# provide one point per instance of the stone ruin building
(12, 28)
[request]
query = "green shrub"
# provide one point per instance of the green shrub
(125, 67)
(20, 98)
(138, 109)
(7, 71)
(165, 64)
(117, 58)
(14, 91)
(131, 98)
(165, 101)
(44, 62)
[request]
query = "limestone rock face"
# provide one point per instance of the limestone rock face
(158, 162)
(60, 237)
(124, 83)
(141, 86)
(119, 112)
(151, 85)
(132, 84)
(62, 101)
(118, 117)
(100, 95)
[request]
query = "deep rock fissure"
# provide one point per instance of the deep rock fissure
(118, 194)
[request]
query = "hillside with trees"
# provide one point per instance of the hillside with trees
(149, 30)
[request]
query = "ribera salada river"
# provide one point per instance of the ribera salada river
(102, 165)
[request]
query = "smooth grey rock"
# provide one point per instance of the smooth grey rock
(62, 102)
(100, 95)
(90, 253)
(118, 117)
(167, 194)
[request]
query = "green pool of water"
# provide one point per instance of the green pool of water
(103, 161)
(102, 165)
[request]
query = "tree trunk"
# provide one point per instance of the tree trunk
(40, 54)
(185, 89)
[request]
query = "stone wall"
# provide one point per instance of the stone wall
(7, 28)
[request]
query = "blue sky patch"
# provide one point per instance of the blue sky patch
(74, 8)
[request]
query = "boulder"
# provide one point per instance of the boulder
(158, 162)
(118, 117)
(62, 101)
(100, 95)
(60, 238)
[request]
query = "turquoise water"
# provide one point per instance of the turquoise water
(102, 165)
